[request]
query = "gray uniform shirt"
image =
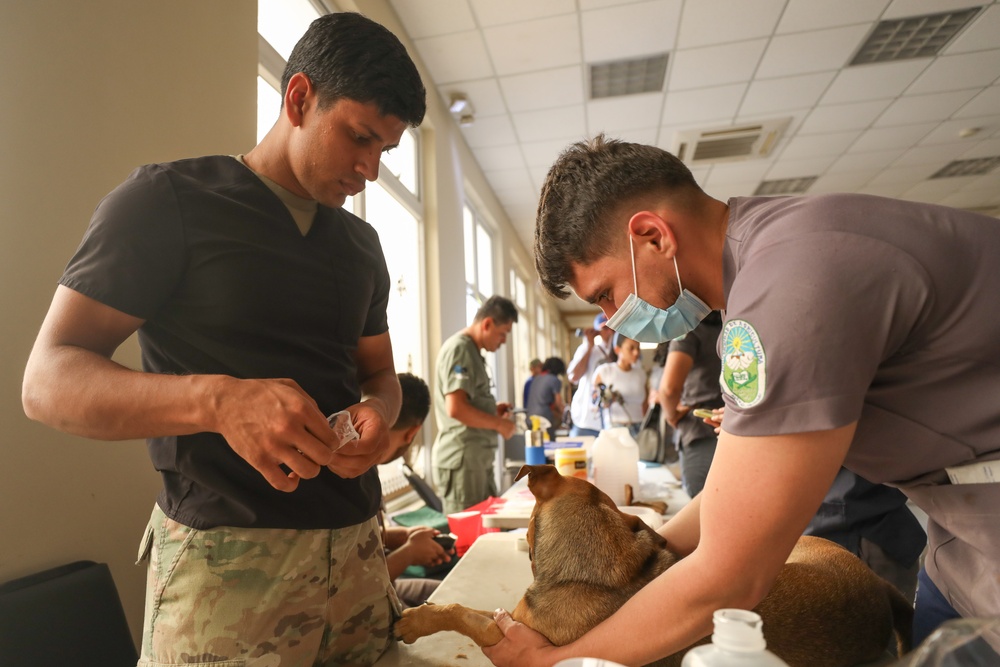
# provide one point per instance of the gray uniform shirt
(460, 366)
(844, 308)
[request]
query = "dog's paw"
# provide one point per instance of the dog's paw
(413, 625)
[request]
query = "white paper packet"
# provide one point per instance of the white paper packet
(343, 427)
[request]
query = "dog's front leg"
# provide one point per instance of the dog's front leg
(427, 619)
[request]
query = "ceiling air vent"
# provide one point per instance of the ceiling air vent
(974, 167)
(785, 186)
(913, 37)
(628, 77)
(729, 144)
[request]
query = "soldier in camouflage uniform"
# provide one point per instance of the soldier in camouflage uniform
(260, 306)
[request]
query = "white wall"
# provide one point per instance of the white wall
(89, 91)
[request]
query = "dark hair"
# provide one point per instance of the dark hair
(345, 54)
(587, 186)
(618, 339)
(554, 366)
(416, 401)
(501, 309)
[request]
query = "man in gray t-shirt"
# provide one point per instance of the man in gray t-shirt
(859, 331)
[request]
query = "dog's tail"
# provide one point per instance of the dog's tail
(902, 619)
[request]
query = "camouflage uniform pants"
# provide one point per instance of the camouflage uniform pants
(252, 597)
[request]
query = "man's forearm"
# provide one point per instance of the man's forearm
(474, 417)
(86, 394)
(383, 388)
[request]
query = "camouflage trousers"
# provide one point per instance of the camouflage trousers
(252, 597)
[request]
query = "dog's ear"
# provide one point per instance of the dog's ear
(542, 480)
(636, 525)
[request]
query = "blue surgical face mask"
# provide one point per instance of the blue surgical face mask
(640, 321)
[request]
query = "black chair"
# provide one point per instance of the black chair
(422, 488)
(69, 615)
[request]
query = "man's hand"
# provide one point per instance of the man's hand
(679, 413)
(274, 422)
(504, 409)
(356, 458)
(590, 334)
(520, 647)
(421, 549)
(506, 427)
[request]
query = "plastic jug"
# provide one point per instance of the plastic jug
(738, 641)
(616, 463)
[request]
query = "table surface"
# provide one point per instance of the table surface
(493, 573)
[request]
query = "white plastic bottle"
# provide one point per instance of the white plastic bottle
(616, 463)
(738, 641)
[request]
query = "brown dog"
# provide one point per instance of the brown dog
(826, 607)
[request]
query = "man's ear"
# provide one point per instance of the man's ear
(411, 433)
(298, 95)
(649, 228)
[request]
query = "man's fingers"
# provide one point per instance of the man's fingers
(503, 620)
(300, 465)
(277, 477)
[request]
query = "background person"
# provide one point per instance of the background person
(591, 353)
(415, 545)
(468, 416)
(626, 380)
(546, 394)
(860, 331)
(690, 381)
(249, 340)
(534, 367)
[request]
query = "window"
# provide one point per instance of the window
(399, 232)
(521, 339)
(268, 107)
(479, 276)
(283, 22)
(541, 342)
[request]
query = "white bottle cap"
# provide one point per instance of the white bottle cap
(738, 630)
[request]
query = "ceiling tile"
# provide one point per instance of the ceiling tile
(873, 82)
(814, 51)
(939, 154)
(724, 191)
(893, 190)
(587, 5)
(883, 138)
(496, 158)
(639, 135)
(739, 172)
(543, 153)
(984, 148)
(967, 70)
(427, 18)
(565, 122)
(985, 102)
(543, 90)
(848, 181)
(906, 174)
(792, 92)
(509, 179)
(969, 199)
(839, 117)
(534, 45)
(491, 12)
(703, 104)
(920, 108)
(903, 8)
(800, 15)
(629, 31)
(809, 145)
(947, 132)
(865, 161)
(932, 192)
(484, 95)
(491, 131)
(980, 35)
(438, 54)
(800, 168)
(615, 114)
(700, 24)
(715, 65)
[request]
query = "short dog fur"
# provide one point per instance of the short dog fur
(826, 608)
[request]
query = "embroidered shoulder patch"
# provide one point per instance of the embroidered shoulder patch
(460, 372)
(743, 363)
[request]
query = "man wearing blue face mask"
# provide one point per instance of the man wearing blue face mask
(858, 331)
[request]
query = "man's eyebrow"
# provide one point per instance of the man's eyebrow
(377, 137)
(590, 298)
